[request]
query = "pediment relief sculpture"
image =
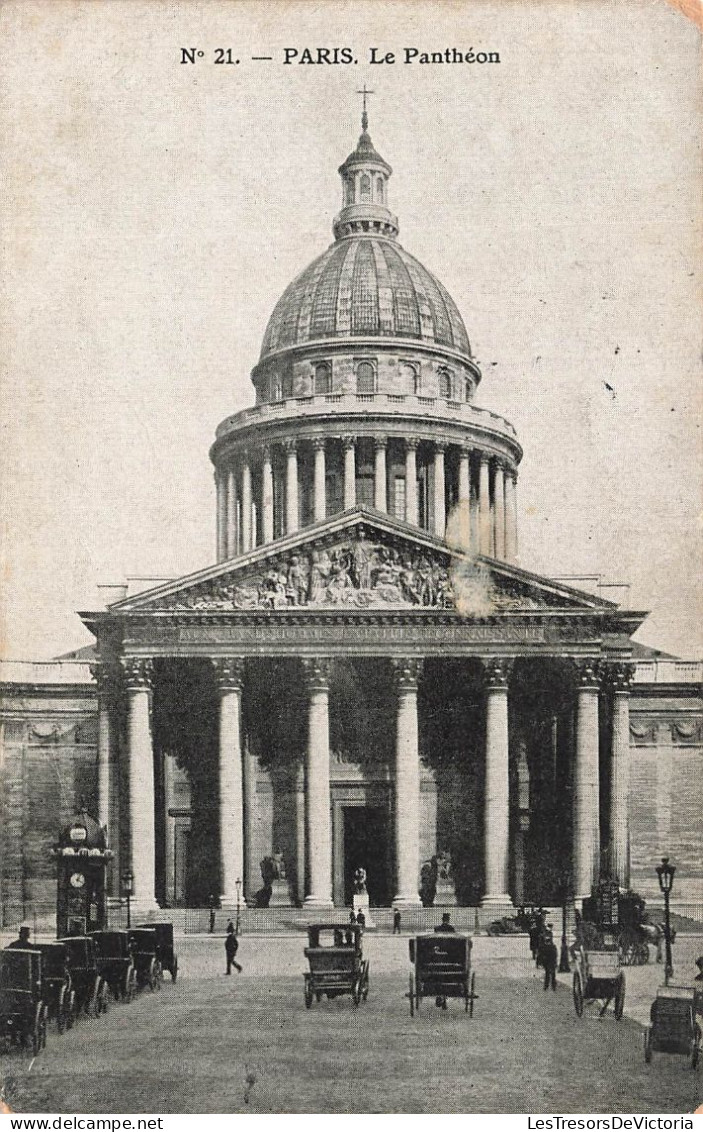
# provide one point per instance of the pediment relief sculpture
(362, 572)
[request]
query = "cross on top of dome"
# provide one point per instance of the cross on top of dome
(364, 115)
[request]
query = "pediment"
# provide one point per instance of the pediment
(361, 560)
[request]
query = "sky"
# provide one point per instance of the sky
(156, 210)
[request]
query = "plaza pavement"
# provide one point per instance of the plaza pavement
(247, 1044)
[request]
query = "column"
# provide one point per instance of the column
(349, 472)
(246, 506)
(231, 514)
(484, 507)
(100, 674)
(440, 516)
(142, 831)
(267, 495)
(586, 853)
(620, 682)
(464, 505)
(380, 475)
(221, 490)
(499, 511)
(407, 785)
(292, 519)
(318, 824)
(320, 498)
(228, 674)
(511, 515)
(411, 511)
(497, 796)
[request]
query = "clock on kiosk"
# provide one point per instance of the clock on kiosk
(82, 858)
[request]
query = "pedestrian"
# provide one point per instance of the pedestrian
(361, 919)
(352, 917)
(548, 959)
(231, 949)
(446, 925)
(396, 921)
(23, 940)
(699, 964)
(534, 932)
(211, 902)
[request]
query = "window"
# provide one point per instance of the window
(468, 388)
(379, 190)
(445, 382)
(287, 384)
(365, 378)
(349, 192)
(399, 497)
(323, 377)
(276, 387)
(410, 377)
(365, 186)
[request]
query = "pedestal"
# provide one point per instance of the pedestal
(280, 894)
(360, 903)
(445, 895)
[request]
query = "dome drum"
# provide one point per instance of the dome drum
(331, 370)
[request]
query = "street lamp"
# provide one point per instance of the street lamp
(238, 886)
(665, 873)
(564, 967)
(128, 891)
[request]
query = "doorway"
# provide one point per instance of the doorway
(367, 844)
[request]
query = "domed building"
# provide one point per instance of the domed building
(365, 677)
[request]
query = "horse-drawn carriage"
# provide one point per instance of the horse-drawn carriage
(23, 1014)
(337, 964)
(92, 991)
(673, 1027)
(598, 977)
(145, 954)
(58, 994)
(115, 964)
(165, 952)
(441, 969)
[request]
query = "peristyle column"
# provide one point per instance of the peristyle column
(621, 675)
(349, 445)
(511, 515)
(484, 506)
(497, 798)
(440, 515)
(318, 824)
(231, 513)
(228, 674)
(499, 511)
(407, 784)
(221, 490)
(411, 510)
(142, 832)
(380, 475)
(320, 500)
(267, 495)
(246, 506)
(586, 853)
(292, 521)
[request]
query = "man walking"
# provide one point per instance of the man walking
(548, 959)
(231, 949)
(396, 921)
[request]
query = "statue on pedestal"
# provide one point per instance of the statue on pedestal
(445, 893)
(361, 896)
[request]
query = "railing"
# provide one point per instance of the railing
(391, 403)
(669, 672)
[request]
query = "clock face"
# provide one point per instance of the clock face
(77, 880)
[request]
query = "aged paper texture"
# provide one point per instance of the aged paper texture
(420, 284)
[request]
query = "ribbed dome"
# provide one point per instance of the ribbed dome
(361, 287)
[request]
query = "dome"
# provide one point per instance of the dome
(365, 286)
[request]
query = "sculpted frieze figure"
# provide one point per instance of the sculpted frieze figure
(356, 574)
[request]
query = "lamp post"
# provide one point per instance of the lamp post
(564, 966)
(238, 886)
(665, 873)
(127, 891)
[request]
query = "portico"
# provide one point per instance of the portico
(495, 734)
